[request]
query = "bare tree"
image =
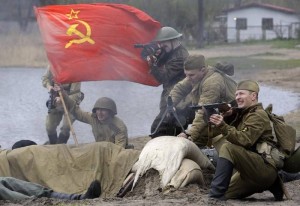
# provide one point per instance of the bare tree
(200, 36)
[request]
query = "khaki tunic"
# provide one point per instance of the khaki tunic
(57, 114)
(211, 89)
(254, 173)
(113, 130)
(168, 72)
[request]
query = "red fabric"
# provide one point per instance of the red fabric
(103, 38)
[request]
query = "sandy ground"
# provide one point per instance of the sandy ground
(147, 191)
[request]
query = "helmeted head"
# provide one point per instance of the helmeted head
(194, 68)
(168, 38)
(105, 103)
(166, 33)
(246, 93)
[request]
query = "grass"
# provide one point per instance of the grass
(21, 49)
(268, 54)
(244, 63)
(288, 44)
(276, 43)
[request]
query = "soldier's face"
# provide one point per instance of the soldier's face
(103, 114)
(167, 45)
(245, 98)
(195, 75)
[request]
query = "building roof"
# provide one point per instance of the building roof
(265, 6)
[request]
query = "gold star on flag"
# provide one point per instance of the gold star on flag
(73, 14)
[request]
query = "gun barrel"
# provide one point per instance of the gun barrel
(223, 106)
(139, 46)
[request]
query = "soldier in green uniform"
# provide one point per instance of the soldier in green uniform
(205, 85)
(167, 68)
(106, 126)
(55, 115)
(250, 149)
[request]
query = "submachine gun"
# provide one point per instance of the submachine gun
(215, 108)
(210, 109)
(50, 103)
(149, 49)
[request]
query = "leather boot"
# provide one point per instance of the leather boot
(276, 189)
(93, 191)
(52, 139)
(62, 139)
(221, 179)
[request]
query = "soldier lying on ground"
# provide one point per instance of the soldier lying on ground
(15, 189)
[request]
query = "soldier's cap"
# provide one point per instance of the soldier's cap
(248, 85)
(194, 62)
(23, 143)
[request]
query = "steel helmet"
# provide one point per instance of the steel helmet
(291, 164)
(166, 33)
(105, 103)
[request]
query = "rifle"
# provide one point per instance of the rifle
(50, 103)
(215, 108)
(149, 49)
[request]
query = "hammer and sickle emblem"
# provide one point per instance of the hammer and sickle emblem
(83, 38)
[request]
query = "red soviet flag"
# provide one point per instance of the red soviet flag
(89, 42)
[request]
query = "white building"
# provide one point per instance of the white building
(261, 21)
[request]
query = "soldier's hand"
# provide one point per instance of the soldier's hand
(57, 100)
(151, 60)
(50, 88)
(216, 119)
(57, 87)
(182, 135)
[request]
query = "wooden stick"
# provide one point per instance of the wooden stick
(68, 118)
(285, 192)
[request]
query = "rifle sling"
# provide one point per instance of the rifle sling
(73, 92)
(210, 135)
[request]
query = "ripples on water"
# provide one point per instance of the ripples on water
(23, 110)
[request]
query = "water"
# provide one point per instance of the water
(23, 110)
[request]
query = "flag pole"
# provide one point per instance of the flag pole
(68, 118)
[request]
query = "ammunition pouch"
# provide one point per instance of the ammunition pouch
(269, 152)
(278, 158)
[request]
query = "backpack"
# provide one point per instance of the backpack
(226, 71)
(284, 133)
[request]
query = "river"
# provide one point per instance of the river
(23, 109)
